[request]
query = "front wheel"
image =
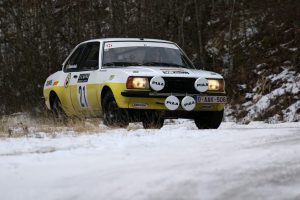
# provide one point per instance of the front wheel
(152, 120)
(113, 116)
(58, 111)
(209, 119)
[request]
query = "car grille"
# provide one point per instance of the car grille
(179, 85)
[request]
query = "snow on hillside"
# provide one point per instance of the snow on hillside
(254, 161)
(290, 86)
(275, 98)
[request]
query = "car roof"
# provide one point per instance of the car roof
(126, 39)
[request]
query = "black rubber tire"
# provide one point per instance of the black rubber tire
(152, 120)
(113, 116)
(209, 119)
(57, 110)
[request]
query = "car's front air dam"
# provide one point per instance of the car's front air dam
(158, 103)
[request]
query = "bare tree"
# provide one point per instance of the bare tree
(201, 22)
(230, 42)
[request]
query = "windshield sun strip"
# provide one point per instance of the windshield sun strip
(185, 60)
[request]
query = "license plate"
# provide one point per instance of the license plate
(211, 99)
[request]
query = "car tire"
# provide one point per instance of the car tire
(152, 120)
(57, 110)
(113, 116)
(209, 119)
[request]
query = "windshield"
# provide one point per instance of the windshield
(118, 54)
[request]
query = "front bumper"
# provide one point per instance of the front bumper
(150, 100)
(151, 94)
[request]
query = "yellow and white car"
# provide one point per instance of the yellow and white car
(135, 80)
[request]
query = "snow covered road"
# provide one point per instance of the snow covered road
(255, 161)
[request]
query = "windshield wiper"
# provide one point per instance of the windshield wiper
(162, 64)
(121, 64)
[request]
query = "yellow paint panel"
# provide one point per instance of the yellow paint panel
(94, 99)
(92, 96)
(64, 98)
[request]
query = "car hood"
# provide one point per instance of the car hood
(170, 72)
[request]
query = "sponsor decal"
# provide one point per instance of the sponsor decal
(206, 107)
(175, 72)
(201, 85)
(172, 102)
(48, 83)
(140, 105)
(188, 103)
(55, 83)
(111, 77)
(83, 78)
(72, 66)
(108, 45)
(157, 83)
(67, 81)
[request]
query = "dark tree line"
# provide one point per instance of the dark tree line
(228, 36)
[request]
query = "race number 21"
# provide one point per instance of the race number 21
(82, 96)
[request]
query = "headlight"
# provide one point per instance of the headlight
(137, 83)
(216, 85)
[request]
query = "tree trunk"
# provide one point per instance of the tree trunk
(230, 42)
(199, 23)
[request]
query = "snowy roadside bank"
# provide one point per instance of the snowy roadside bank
(177, 162)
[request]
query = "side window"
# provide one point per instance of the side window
(72, 62)
(90, 57)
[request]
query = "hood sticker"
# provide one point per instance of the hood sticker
(173, 71)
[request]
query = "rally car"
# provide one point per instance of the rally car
(135, 80)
